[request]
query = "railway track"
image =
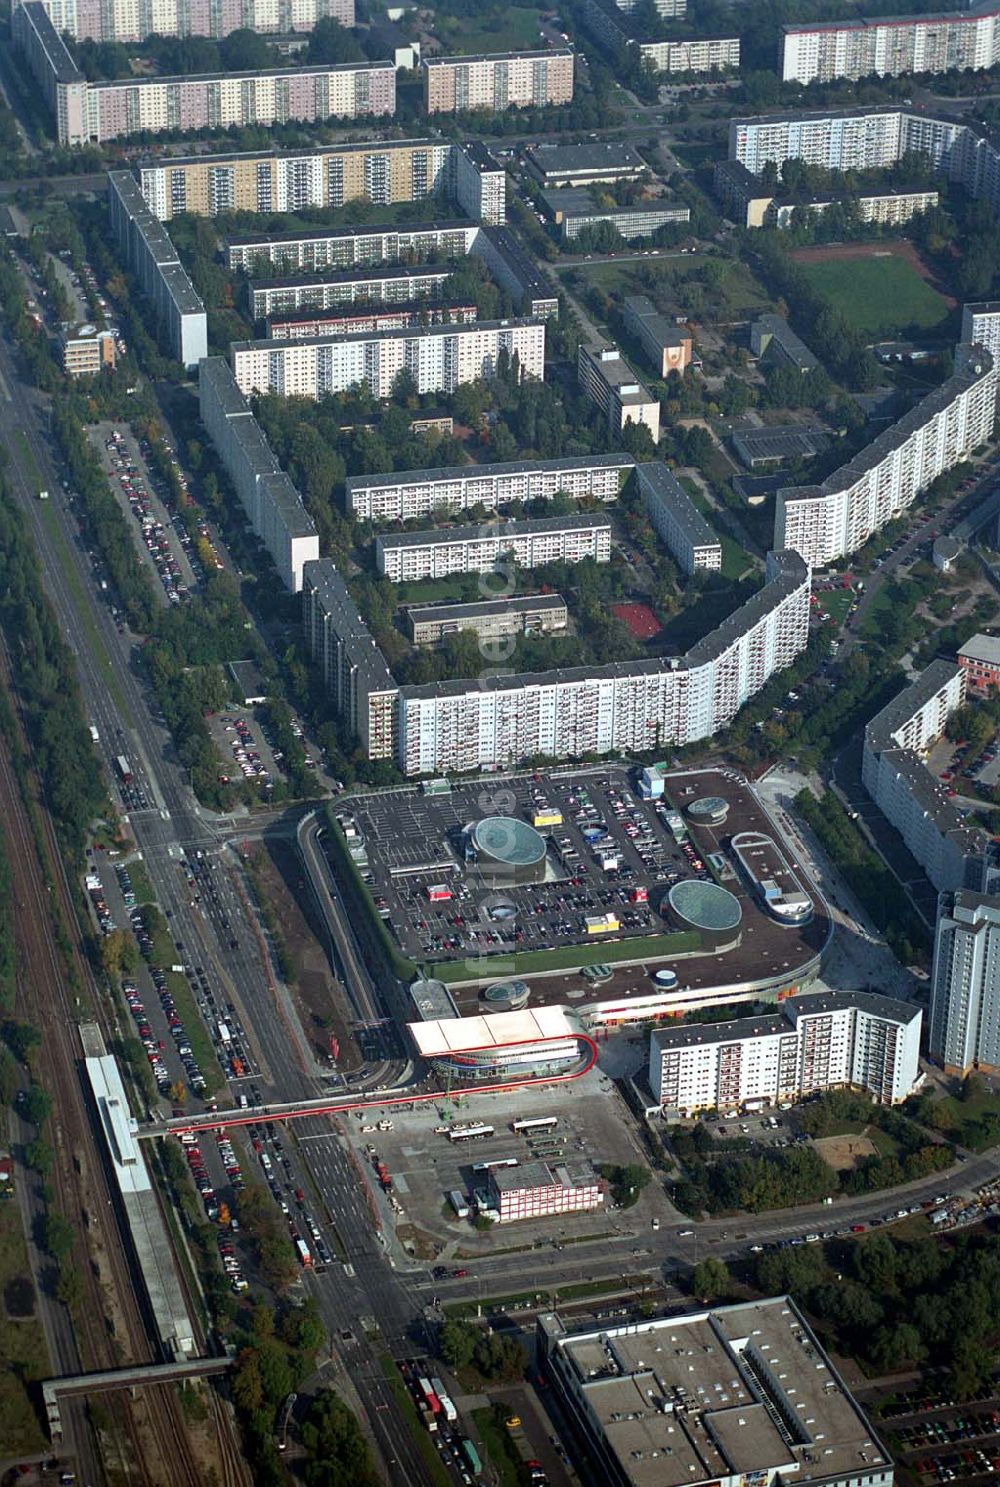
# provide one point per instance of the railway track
(160, 1445)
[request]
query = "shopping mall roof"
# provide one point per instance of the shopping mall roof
(492, 1030)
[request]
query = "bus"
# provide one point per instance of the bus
(472, 1457)
(458, 1203)
(471, 1133)
(537, 1123)
(496, 1162)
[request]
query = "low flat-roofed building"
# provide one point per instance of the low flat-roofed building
(771, 445)
(668, 345)
(584, 165)
(979, 658)
(713, 1398)
(535, 1190)
(87, 351)
(772, 335)
(573, 208)
(532, 614)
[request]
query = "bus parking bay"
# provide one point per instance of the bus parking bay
(426, 1165)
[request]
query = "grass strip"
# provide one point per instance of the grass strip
(570, 957)
(406, 1403)
(498, 1447)
(522, 1300)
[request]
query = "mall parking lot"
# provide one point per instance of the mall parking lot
(608, 853)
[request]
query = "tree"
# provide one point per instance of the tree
(36, 1105)
(337, 1454)
(331, 42)
(39, 1156)
(245, 51)
(457, 1342)
(55, 1234)
(178, 1092)
(710, 1279)
(22, 1039)
(69, 1286)
(627, 1183)
(119, 956)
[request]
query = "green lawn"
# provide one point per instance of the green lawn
(837, 602)
(498, 1448)
(570, 957)
(878, 296)
(495, 28)
(23, 1358)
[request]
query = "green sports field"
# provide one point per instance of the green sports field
(880, 297)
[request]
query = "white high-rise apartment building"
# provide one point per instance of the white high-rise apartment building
(832, 520)
(405, 494)
(439, 358)
(498, 81)
(889, 46)
(631, 706)
(981, 326)
(134, 20)
(819, 1041)
(610, 382)
(407, 557)
(965, 984)
(911, 798)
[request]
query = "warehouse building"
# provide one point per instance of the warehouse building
(405, 494)
(438, 357)
(490, 619)
(911, 798)
(835, 518)
(595, 163)
(407, 557)
(677, 521)
(272, 504)
(818, 1041)
(152, 258)
(497, 81)
(733, 1396)
(610, 382)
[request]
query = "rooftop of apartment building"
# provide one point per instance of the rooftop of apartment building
(519, 261)
(931, 18)
(335, 600)
(173, 80)
(216, 372)
(935, 804)
(235, 157)
(881, 731)
(973, 369)
(314, 234)
(424, 614)
(985, 648)
(481, 531)
(347, 276)
(655, 478)
(449, 329)
(793, 573)
(613, 369)
(63, 68)
(475, 472)
(541, 54)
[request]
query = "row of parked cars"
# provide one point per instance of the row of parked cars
(196, 1078)
(154, 534)
(154, 1050)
